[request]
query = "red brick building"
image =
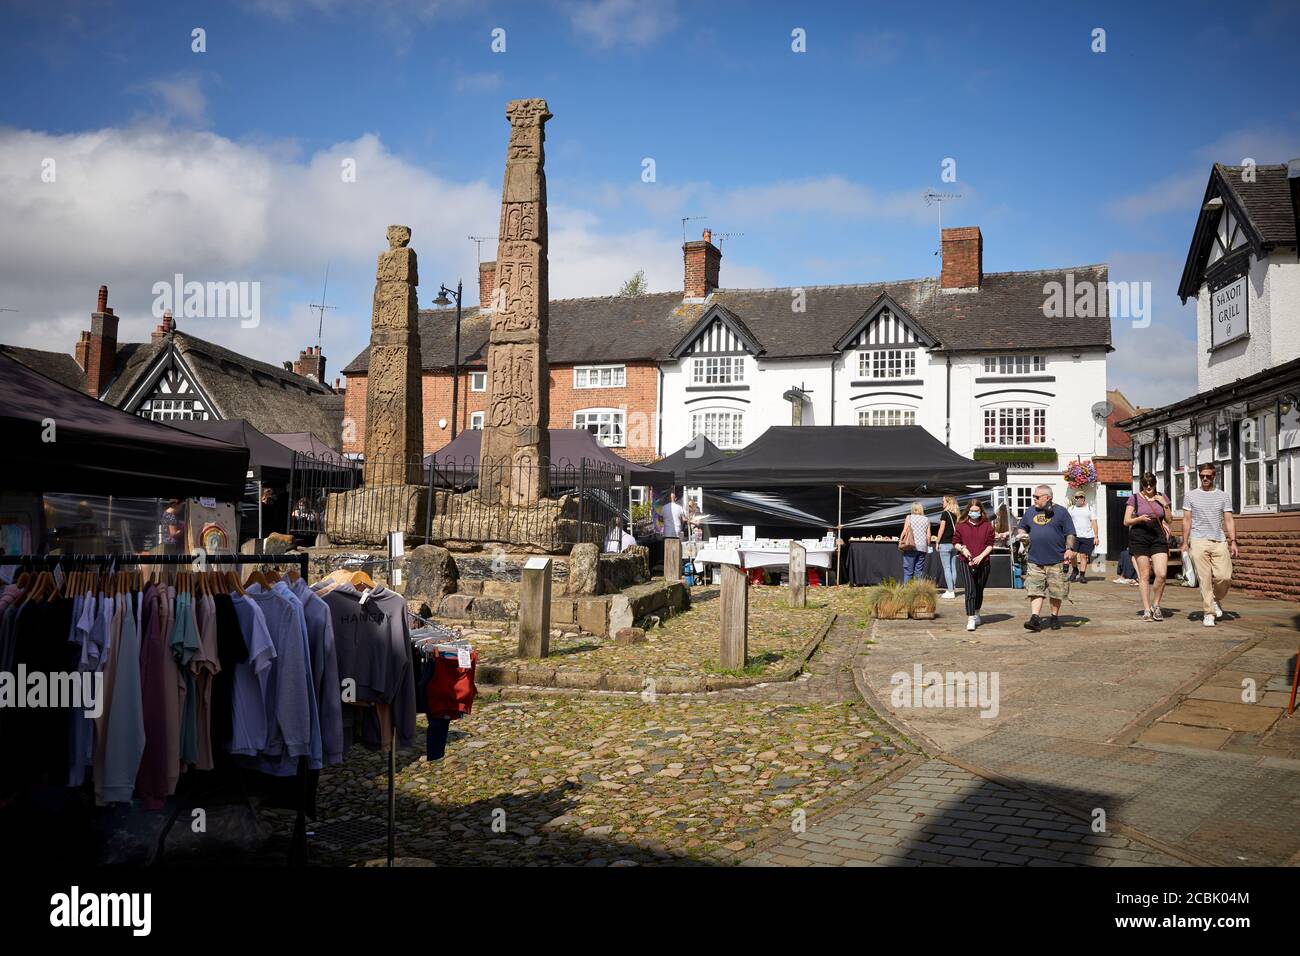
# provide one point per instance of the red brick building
(606, 383)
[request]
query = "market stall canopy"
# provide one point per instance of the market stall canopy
(57, 439)
(698, 453)
(897, 459)
(569, 446)
(267, 458)
(306, 443)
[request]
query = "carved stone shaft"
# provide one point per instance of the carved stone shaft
(394, 397)
(516, 446)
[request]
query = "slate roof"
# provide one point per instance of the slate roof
(1266, 201)
(60, 366)
(1006, 313)
(1265, 207)
(600, 329)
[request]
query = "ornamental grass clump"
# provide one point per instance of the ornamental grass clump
(920, 596)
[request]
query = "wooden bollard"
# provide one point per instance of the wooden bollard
(733, 649)
(535, 608)
(672, 559)
(798, 575)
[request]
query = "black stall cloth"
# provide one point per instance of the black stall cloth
(57, 439)
(838, 476)
(872, 562)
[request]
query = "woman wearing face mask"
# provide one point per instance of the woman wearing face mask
(973, 540)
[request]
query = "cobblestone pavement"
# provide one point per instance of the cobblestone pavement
(940, 815)
(685, 644)
(605, 778)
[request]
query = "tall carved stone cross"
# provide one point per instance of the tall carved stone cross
(394, 399)
(516, 445)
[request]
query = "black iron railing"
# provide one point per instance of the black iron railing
(549, 505)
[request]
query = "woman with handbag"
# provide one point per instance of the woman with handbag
(947, 556)
(1147, 520)
(914, 542)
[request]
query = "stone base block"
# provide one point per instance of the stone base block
(366, 515)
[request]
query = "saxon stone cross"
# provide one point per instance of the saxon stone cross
(394, 398)
(516, 445)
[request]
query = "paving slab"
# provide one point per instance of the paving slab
(977, 822)
(1253, 718)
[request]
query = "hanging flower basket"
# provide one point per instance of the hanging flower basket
(1080, 473)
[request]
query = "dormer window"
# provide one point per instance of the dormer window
(887, 363)
(718, 370)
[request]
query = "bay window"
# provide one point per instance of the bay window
(1015, 426)
(722, 427)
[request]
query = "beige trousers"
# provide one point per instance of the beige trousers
(1213, 570)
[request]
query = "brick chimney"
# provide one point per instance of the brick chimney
(702, 259)
(487, 284)
(311, 364)
(963, 258)
(82, 351)
(101, 346)
(163, 329)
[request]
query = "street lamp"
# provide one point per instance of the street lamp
(442, 300)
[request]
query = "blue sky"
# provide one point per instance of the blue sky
(224, 165)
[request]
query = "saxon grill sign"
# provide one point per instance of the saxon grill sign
(1229, 317)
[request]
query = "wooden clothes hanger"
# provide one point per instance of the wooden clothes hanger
(257, 577)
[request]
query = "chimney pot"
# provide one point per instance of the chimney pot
(102, 305)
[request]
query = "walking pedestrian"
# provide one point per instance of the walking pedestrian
(1207, 511)
(914, 540)
(948, 521)
(1086, 536)
(973, 541)
(1147, 518)
(1051, 546)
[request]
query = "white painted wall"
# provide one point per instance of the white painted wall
(1273, 301)
(1077, 384)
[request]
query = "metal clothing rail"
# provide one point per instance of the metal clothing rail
(298, 846)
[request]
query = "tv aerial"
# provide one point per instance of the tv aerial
(933, 198)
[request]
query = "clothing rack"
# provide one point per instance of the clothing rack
(298, 846)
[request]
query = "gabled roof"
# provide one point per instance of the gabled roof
(59, 366)
(885, 301)
(1006, 313)
(720, 313)
(270, 398)
(1264, 207)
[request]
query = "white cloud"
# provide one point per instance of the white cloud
(180, 98)
(134, 206)
(613, 23)
(1180, 192)
(478, 82)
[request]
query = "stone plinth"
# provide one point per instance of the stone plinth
(366, 515)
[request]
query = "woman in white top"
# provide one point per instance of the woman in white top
(917, 527)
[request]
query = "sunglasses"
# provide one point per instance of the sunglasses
(1207, 477)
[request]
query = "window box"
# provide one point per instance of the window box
(1015, 454)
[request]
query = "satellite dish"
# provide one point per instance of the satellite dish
(1101, 410)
